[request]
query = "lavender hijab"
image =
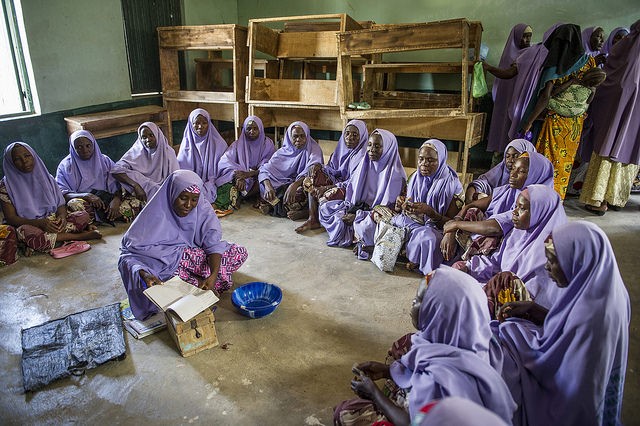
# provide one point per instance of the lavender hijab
(457, 411)
(245, 154)
(344, 160)
(503, 91)
(378, 182)
(586, 41)
(34, 195)
(450, 354)
(290, 163)
(499, 174)
(148, 167)
(616, 109)
(529, 65)
(606, 47)
(77, 175)
(202, 154)
(522, 250)
(572, 370)
(157, 238)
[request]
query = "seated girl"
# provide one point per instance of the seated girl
(378, 180)
(530, 168)
(451, 354)
(245, 156)
(282, 176)
(177, 233)
(432, 199)
(33, 203)
(144, 167)
(84, 177)
(538, 210)
(498, 175)
(350, 150)
(200, 151)
(567, 365)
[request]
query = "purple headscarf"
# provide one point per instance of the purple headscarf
(34, 195)
(586, 41)
(572, 370)
(437, 190)
(77, 175)
(457, 411)
(378, 182)
(157, 238)
(606, 47)
(148, 167)
(522, 250)
(202, 155)
(289, 163)
(499, 175)
(503, 91)
(343, 160)
(245, 154)
(504, 197)
(450, 354)
(529, 65)
(616, 110)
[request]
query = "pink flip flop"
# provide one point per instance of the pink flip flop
(69, 249)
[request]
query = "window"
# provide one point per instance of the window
(15, 92)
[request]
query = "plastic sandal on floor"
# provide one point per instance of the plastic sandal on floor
(223, 213)
(69, 249)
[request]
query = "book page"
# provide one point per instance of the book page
(191, 305)
(171, 291)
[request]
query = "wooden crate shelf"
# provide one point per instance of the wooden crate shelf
(117, 122)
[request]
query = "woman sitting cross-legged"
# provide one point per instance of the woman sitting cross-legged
(452, 354)
(378, 180)
(282, 176)
(33, 204)
(177, 233)
(144, 167)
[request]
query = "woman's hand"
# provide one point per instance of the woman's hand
(269, 192)
(208, 283)
(400, 202)
(149, 279)
(419, 208)
(450, 227)
(139, 193)
(364, 387)
(319, 191)
(290, 193)
(95, 201)
(240, 174)
(373, 369)
(241, 184)
(47, 225)
(448, 246)
(348, 218)
(114, 209)
(527, 310)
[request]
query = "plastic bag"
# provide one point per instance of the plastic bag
(388, 242)
(479, 84)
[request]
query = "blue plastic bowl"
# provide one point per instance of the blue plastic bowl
(256, 299)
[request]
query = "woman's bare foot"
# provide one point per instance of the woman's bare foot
(309, 224)
(297, 214)
(28, 252)
(88, 235)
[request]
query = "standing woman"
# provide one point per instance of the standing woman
(519, 39)
(33, 203)
(568, 366)
(616, 125)
(245, 156)
(378, 180)
(565, 89)
(85, 179)
(177, 233)
(593, 41)
(350, 150)
(144, 167)
(201, 149)
(282, 176)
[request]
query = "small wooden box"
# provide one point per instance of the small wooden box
(195, 335)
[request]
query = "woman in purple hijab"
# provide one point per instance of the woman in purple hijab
(519, 39)
(85, 178)
(201, 149)
(144, 167)
(616, 125)
(484, 184)
(243, 158)
(177, 233)
(614, 37)
(593, 41)
(281, 178)
(570, 369)
(431, 201)
(327, 183)
(33, 203)
(378, 180)
(452, 354)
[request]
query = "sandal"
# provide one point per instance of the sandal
(594, 210)
(69, 248)
(223, 213)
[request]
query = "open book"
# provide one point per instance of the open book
(184, 299)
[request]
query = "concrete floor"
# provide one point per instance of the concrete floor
(290, 368)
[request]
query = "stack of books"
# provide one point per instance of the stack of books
(140, 329)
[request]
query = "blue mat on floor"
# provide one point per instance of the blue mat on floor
(71, 345)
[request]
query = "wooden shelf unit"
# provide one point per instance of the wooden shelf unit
(117, 122)
(222, 102)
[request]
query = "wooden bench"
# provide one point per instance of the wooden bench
(118, 122)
